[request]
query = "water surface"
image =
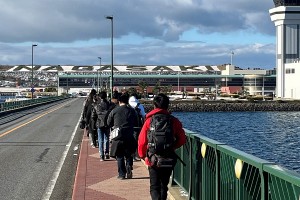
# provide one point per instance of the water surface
(273, 136)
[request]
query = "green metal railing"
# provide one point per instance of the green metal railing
(7, 106)
(216, 171)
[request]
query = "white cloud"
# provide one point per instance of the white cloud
(77, 32)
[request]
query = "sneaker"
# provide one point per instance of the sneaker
(129, 172)
(101, 158)
(107, 156)
(93, 146)
(136, 159)
(121, 177)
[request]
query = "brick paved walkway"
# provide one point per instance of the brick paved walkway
(98, 180)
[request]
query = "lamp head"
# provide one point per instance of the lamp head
(109, 17)
(34, 45)
(286, 3)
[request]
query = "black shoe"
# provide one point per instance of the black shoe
(107, 156)
(121, 177)
(129, 172)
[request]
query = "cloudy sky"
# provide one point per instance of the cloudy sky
(146, 32)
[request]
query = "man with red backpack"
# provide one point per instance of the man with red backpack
(161, 134)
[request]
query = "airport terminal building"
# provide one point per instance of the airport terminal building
(189, 79)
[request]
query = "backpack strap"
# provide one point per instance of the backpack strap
(137, 105)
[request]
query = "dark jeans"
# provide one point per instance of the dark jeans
(159, 180)
(121, 164)
(136, 134)
(103, 140)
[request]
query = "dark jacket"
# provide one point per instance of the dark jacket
(93, 118)
(123, 117)
(101, 111)
(179, 134)
(87, 110)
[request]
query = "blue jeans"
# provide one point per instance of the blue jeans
(103, 140)
(121, 164)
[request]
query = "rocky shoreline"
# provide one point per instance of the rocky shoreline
(228, 106)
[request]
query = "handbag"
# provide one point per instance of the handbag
(117, 148)
(82, 124)
(114, 133)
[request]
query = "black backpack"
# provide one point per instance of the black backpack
(160, 136)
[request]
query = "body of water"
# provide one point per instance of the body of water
(272, 136)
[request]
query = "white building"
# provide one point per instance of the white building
(253, 80)
(286, 16)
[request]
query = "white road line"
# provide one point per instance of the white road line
(55, 175)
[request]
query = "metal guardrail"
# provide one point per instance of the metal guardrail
(216, 171)
(8, 106)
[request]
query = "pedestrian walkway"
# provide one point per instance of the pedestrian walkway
(98, 180)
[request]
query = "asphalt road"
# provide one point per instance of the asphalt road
(39, 150)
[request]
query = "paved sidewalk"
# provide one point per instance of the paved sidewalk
(98, 180)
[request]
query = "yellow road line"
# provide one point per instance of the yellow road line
(7, 132)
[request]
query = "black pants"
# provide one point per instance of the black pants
(94, 136)
(159, 180)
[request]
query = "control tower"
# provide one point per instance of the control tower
(286, 16)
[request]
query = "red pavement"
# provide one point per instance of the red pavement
(98, 180)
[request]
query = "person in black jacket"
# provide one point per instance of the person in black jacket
(87, 111)
(92, 125)
(123, 146)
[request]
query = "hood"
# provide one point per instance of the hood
(133, 101)
(155, 111)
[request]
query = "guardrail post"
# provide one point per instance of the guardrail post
(191, 167)
(264, 185)
(217, 153)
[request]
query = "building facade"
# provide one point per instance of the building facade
(193, 79)
(286, 17)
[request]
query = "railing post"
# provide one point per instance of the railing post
(191, 167)
(264, 185)
(217, 153)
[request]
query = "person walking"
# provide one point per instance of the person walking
(123, 118)
(141, 114)
(161, 134)
(87, 109)
(92, 123)
(114, 101)
(101, 111)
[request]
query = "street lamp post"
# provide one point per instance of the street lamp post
(67, 83)
(263, 87)
(98, 74)
(57, 82)
(232, 53)
(108, 81)
(32, 86)
(97, 80)
(111, 18)
(216, 84)
(178, 82)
